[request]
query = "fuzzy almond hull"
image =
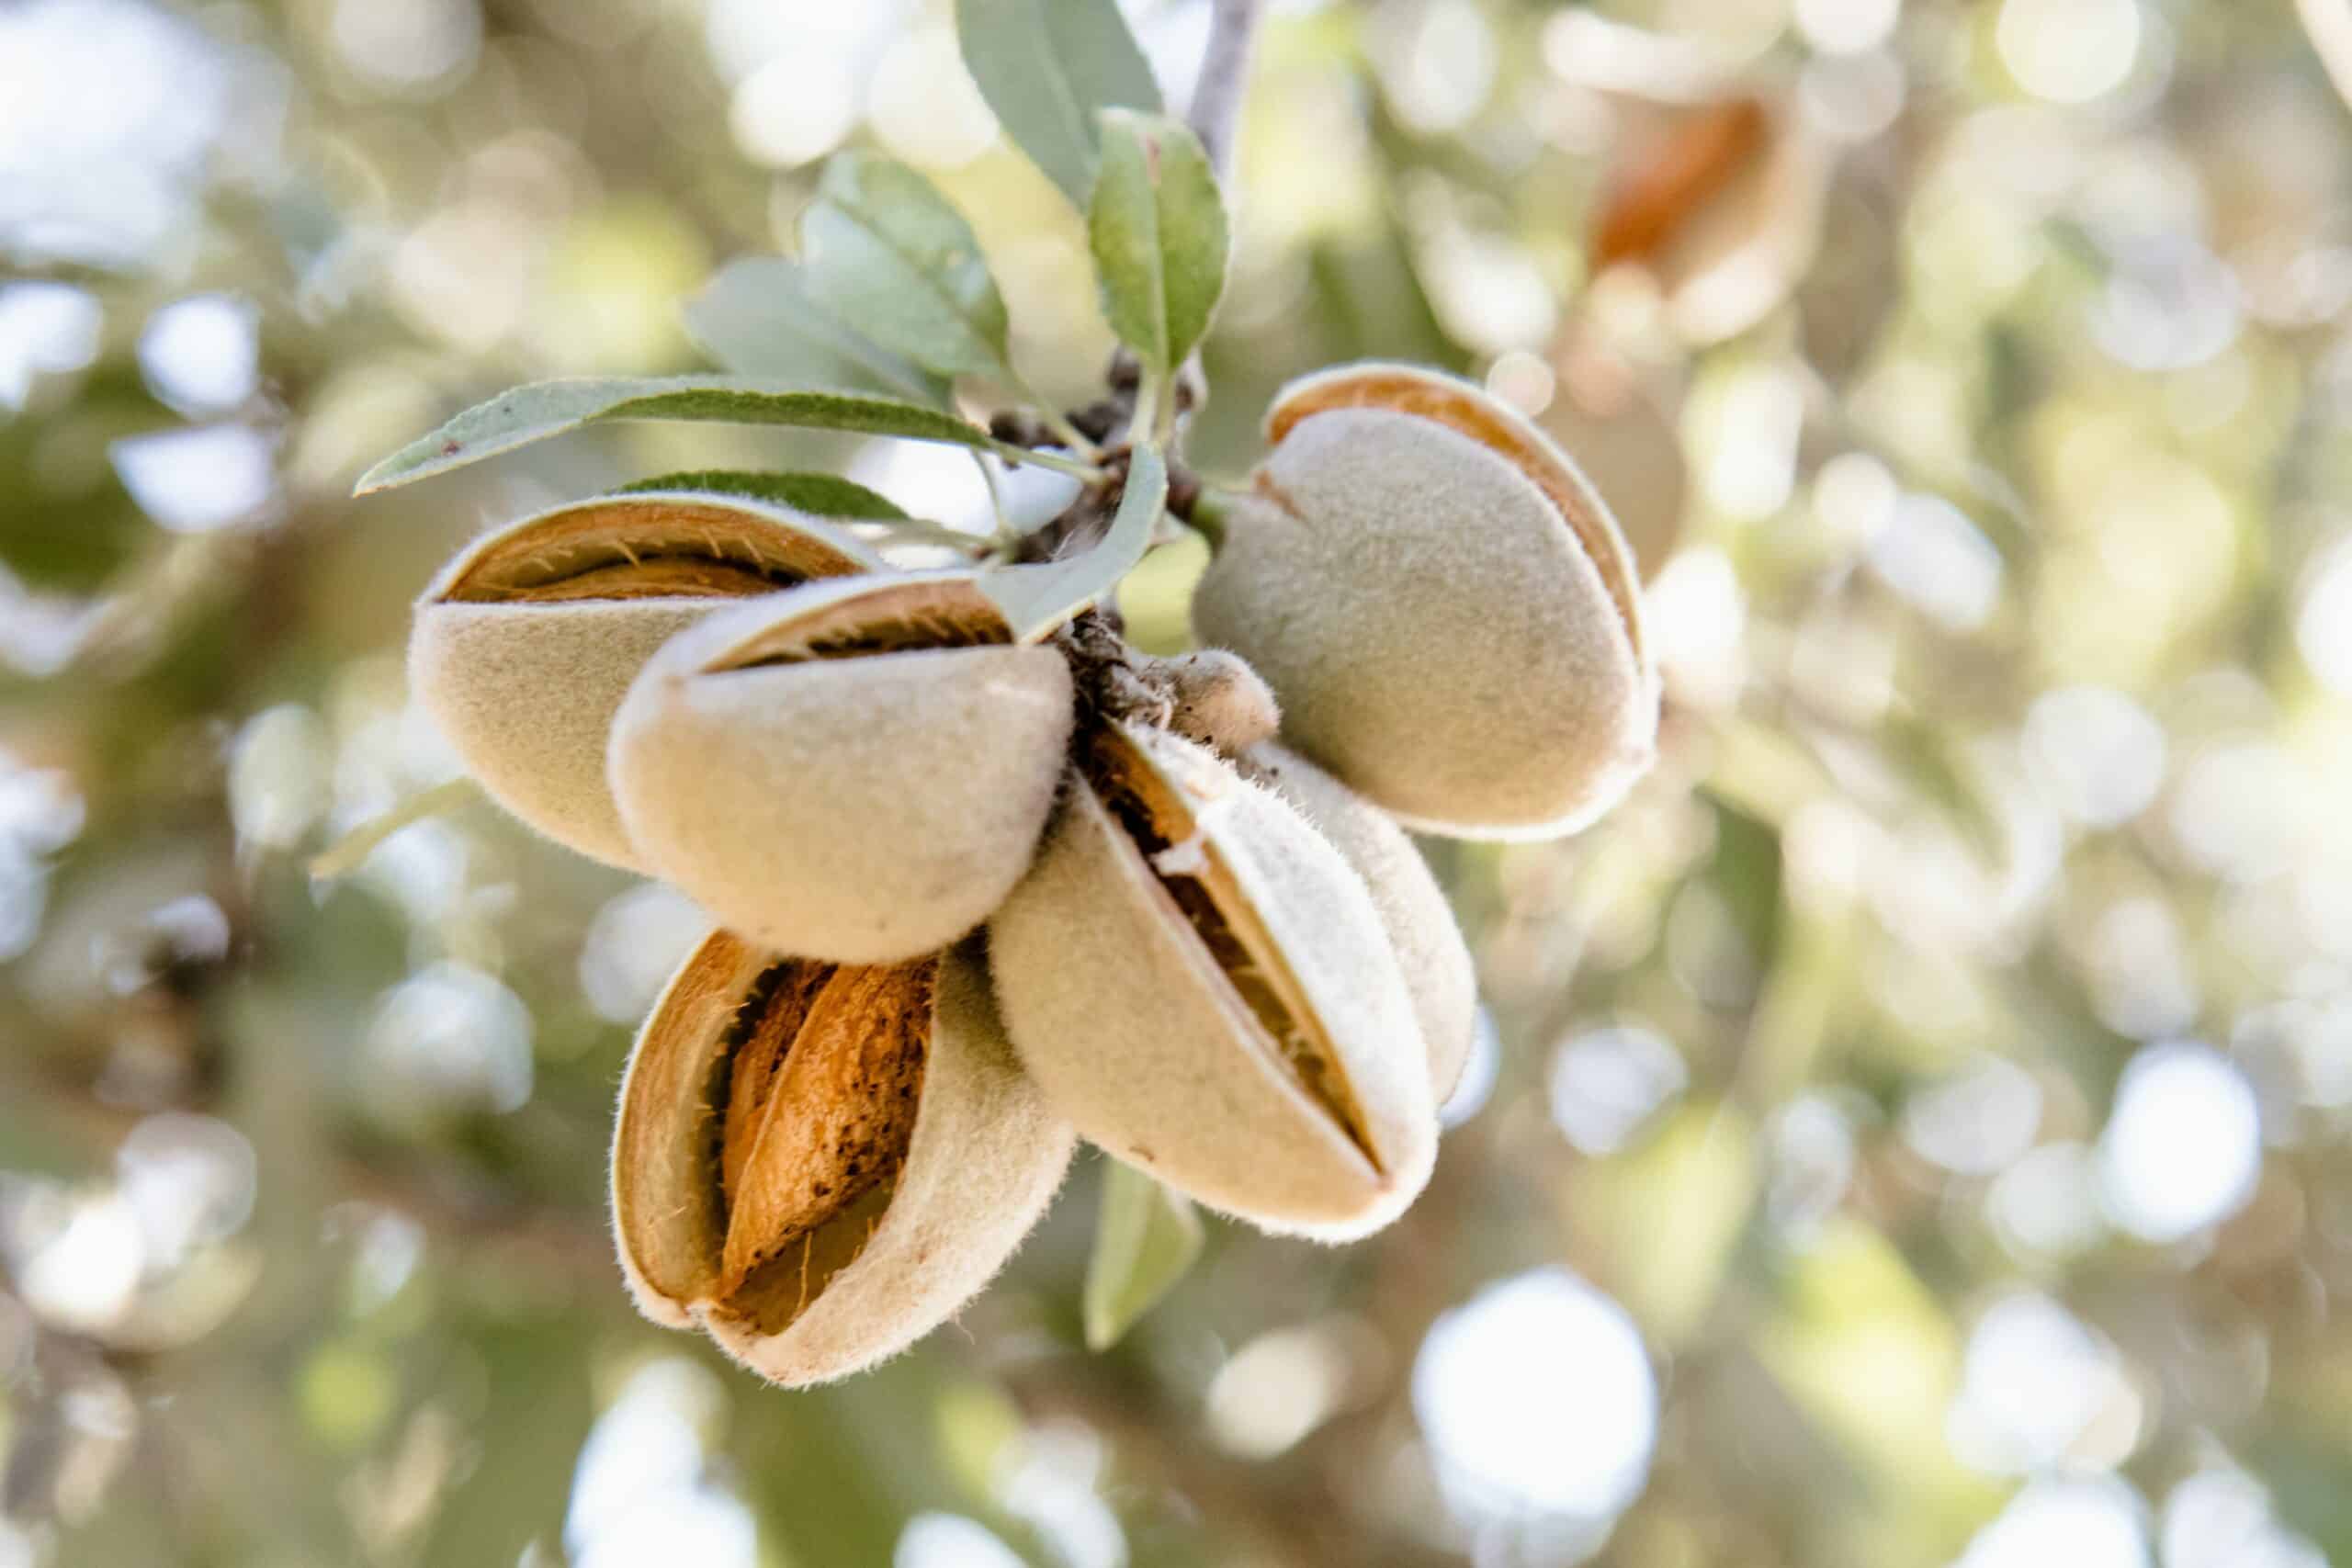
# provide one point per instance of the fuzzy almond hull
(527, 696)
(983, 1162)
(861, 810)
(1413, 907)
(529, 636)
(1439, 637)
(1124, 1016)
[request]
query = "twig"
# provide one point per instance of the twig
(1224, 71)
(2329, 24)
(344, 855)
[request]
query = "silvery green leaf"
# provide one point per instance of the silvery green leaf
(1145, 1239)
(1037, 597)
(884, 250)
(1047, 68)
(819, 495)
(1157, 228)
(755, 318)
(525, 414)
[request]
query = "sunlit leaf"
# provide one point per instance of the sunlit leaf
(1037, 598)
(1698, 1166)
(756, 318)
(1157, 228)
(525, 414)
(885, 253)
(1146, 1238)
(1851, 1298)
(1047, 68)
(822, 495)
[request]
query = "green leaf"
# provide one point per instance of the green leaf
(1047, 68)
(525, 414)
(819, 495)
(1145, 1239)
(1037, 598)
(1157, 228)
(884, 251)
(755, 318)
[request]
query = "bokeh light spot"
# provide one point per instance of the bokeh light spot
(2068, 51)
(1537, 1397)
(2033, 1380)
(45, 329)
(1607, 1083)
(2079, 1523)
(194, 481)
(2097, 753)
(202, 355)
(2184, 1143)
(951, 1541)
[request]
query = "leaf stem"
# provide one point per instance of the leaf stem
(1002, 532)
(1071, 436)
(922, 531)
(1053, 419)
(1075, 467)
(1207, 515)
(1143, 420)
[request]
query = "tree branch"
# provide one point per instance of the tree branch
(1216, 113)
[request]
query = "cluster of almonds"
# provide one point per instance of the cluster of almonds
(1216, 958)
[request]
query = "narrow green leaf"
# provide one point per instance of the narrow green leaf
(755, 318)
(819, 495)
(1145, 1239)
(1047, 68)
(1036, 598)
(525, 414)
(884, 250)
(1157, 229)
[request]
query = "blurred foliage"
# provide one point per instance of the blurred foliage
(1915, 1125)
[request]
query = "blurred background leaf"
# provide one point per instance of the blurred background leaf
(1145, 1239)
(1047, 67)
